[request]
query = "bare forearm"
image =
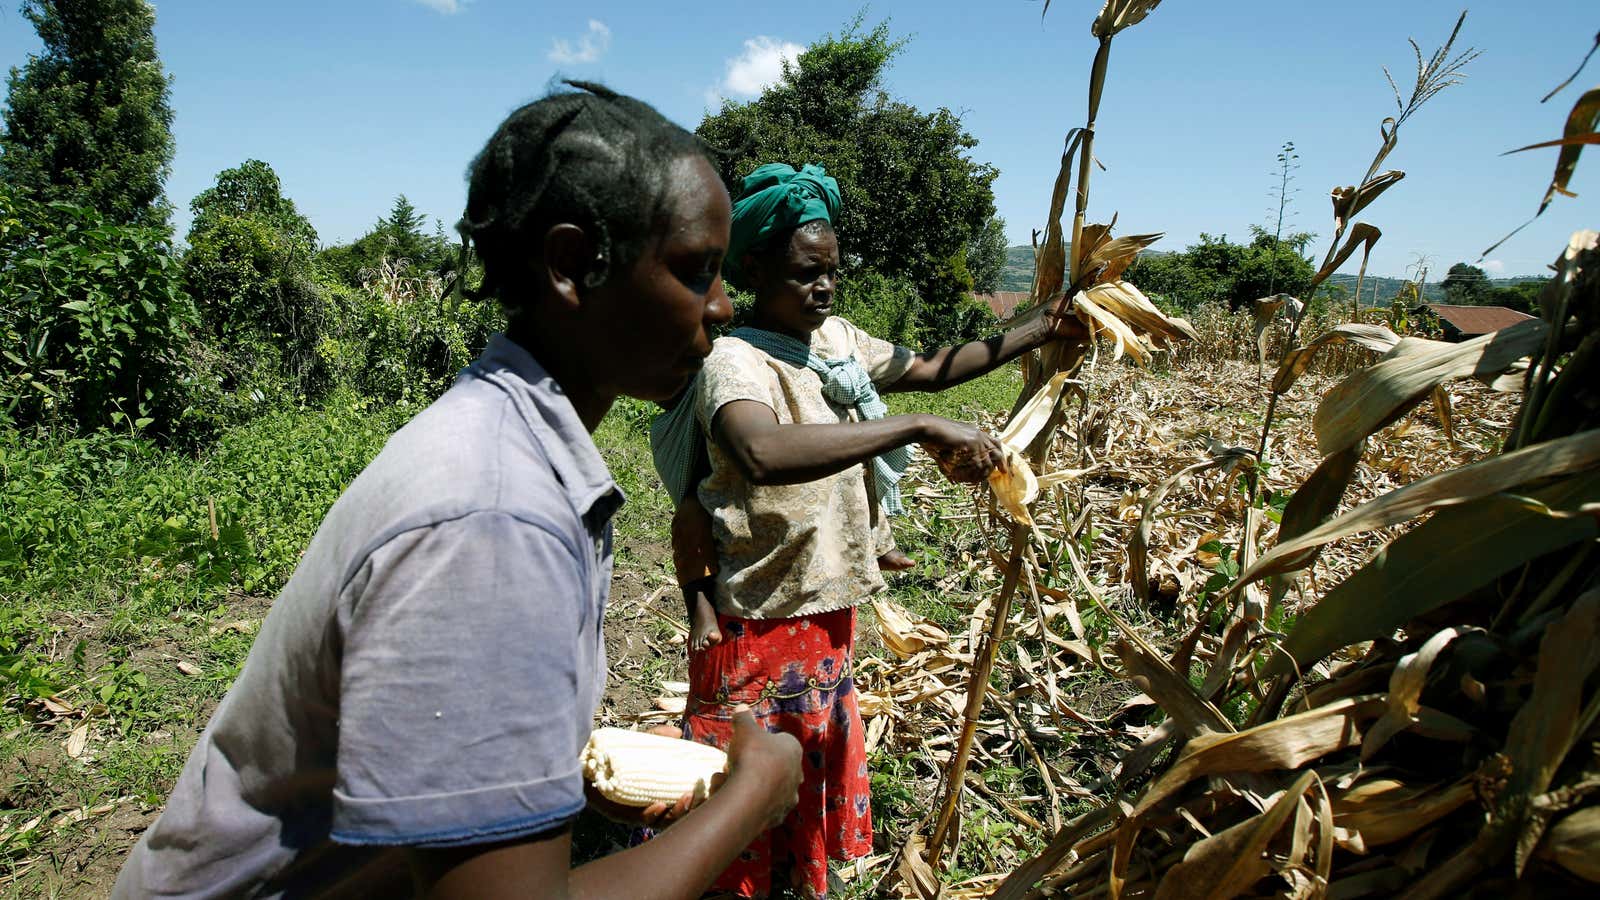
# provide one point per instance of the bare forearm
(770, 453)
(935, 370)
(682, 861)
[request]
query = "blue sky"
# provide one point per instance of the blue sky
(355, 101)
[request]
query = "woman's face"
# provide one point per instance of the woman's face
(794, 289)
(657, 320)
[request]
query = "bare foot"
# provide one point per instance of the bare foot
(895, 561)
(703, 630)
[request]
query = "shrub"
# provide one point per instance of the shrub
(400, 337)
(96, 322)
(884, 306)
(950, 315)
(252, 283)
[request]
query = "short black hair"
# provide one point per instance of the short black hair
(588, 156)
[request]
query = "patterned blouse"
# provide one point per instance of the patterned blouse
(796, 549)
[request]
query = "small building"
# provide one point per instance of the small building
(1003, 303)
(1461, 323)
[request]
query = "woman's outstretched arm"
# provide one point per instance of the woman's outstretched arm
(767, 452)
(935, 370)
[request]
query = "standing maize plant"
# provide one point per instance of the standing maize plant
(1090, 286)
(1428, 727)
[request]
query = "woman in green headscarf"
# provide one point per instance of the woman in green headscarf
(788, 412)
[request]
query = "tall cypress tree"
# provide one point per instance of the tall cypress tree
(88, 120)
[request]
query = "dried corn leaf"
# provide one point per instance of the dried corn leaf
(1458, 550)
(1405, 692)
(1062, 476)
(916, 873)
(1317, 498)
(1021, 880)
(1374, 397)
(1583, 120)
(1564, 456)
(1113, 257)
(1574, 844)
(1380, 811)
(1138, 547)
(1029, 420)
(1123, 340)
(1230, 862)
(1361, 234)
(1285, 743)
(1050, 262)
(1447, 421)
(77, 740)
(1546, 727)
(1298, 360)
(905, 633)
(1090, 240)
(1128, 303)
(1119, 14)
(1349, 201)
(1194, 715)
(1265, 309)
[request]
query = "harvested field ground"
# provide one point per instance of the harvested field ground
(85, 766)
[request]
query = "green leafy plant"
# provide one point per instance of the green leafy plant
(96, 323)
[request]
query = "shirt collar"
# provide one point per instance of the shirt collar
(555, 424)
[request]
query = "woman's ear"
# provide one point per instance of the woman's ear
(568, 257)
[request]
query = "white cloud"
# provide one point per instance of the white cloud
(588, 49)
(1494, 266)
(447, 7)
(754, 70)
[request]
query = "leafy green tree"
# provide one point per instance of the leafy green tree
(913, 197)
(1466, 285)
(1216, 270)
(397, 238)
(986, 256)
(404, 228)
(252, 189)
(249, 269)
(1522, 296)
(88, 120)
(1272, 264)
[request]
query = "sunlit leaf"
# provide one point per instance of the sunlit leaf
(1119, 14)
(1297, 361)
(1452, 488)
(1372, 398)
(1459, 550)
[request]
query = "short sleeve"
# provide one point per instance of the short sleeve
(733, 371)
(459, 686)
(884, 361)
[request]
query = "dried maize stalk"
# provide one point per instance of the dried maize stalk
(634, 768)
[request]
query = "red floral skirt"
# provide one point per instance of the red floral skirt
(795, 675)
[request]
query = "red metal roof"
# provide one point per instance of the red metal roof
(1474, 320)
(1003, 303)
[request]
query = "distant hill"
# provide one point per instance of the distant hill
(1385, 289)
(1017, 275)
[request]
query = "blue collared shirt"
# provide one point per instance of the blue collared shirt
(430, 672)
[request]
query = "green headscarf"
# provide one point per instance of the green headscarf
(775, 197)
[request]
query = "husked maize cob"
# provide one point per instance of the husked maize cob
(634, 768)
